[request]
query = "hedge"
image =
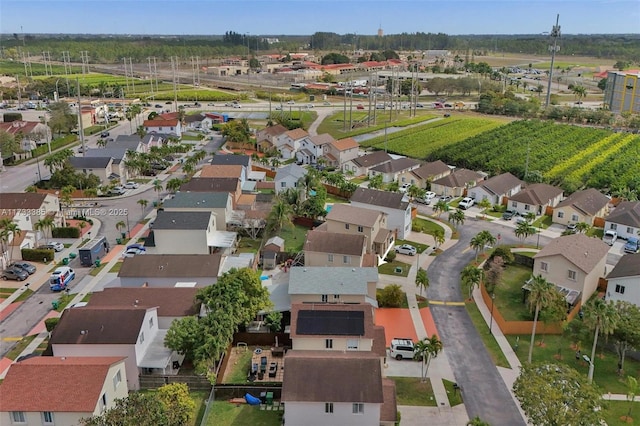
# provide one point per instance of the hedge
(37, 255)
(11, 116)
(50, 323)
(65, 232)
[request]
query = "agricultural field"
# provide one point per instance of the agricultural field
(17, 68)
(572, 157)
(419, 142)
(334, 124)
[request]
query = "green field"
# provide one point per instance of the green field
(17, 68)
(335, 124)
(418, 142)
(569, 156)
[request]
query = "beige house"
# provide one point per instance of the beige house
(426, 174)
(372, 224)
(102, 167)
(333, 285)
(456, 182)
(574, 263)
(535, 198)
(496, 188)
(360, 166)
(289, 142)
(267, 137)
(582, 206)
(341, 151)
(394, 170)
(52, 390)
(336, 249)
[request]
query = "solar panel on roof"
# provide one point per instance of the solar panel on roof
(347, 323)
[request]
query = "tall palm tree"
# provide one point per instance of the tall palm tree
(477, 244)
(524, 229)
(425, 350)
(540, 296)
(440, 207)
(44, 224)
(120, 226)
(173, 184)
(438, 236)
(143, 204)
(422, 280)
(601, 317)
(472, 277)
(457, 217)
(279, 217)
(157, 186)
(9, 229)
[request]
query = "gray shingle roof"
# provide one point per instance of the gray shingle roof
(398, 165)
(242, 160)
(584, 252)
(626, 213)
(171, 302)
(171, 266)
(101, 325)
(331, 242)
(500, 184)
(373, 159)
(379, 198)
(290, 170)
(458, 178)
(627, 266)
(338, 280)
(90, 162)
(356, 215)
(181, 220)
(211, 185)
(431, 169)
(537, 194)
(590, 201)
(201, 200)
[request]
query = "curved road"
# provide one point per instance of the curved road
(485, 393)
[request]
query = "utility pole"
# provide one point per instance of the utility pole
(151, 78)
(126, 74)
(80, 126)
(555, 35)
(133, 83)
(174, 70)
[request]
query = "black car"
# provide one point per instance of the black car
(25, 266)
(158, 106)
(104, 134)
(14, 274)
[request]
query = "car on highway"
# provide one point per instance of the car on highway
(25, 266)
(158, 106)
(237, 106)
(309, 106)
(291, 102)
(131, 185)
(326, 103)
(15, 274)
(360, 106)
(509, 214)
(53, 245)
(406, 249)
(466, 203)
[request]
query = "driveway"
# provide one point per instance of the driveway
(485, 393)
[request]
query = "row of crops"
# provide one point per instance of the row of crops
(421, 141)
(569, 156)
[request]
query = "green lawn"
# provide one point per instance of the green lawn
(489, 341)
(543, 222)
(240, 368)
(454, 395)
(334, 124)
(226, 414)
(613, 410)
(95, 271)
(294, 237)
(419, 247)
(116, 267)
(426, 226)
(247, 245)
(558, 346)
(6, 292)
(389, 268)
(509, 294)
(411, 391)
(21, 346)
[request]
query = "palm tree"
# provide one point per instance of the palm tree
(8, 228)
(173, 184)
(540, 296)
(157, 186)
(477, 421)
(120, 226)
(477, 243)
(601, 317)
(426, 349)
(472, 277)
(632, 391)
(582, 227)
(484, 204)
(44, 224)
(422, 280)
(579, 91)
(440, 207)
(524, 229)
(457, 217)
(279, 217)
(438, 236)
(415, 192)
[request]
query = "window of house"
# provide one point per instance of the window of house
(103, 402)
(403, 180)
(328, 343)
(346, 226)
(330, 258)
(560, 215)
(117, 379)
(613, 226)
(544, 266)
(18, 417)
(630, 230)
(336, 297)
(572, 275)
(527, 207)
(346, 260)
(514, 204)
(360, 229)
(358, 408)
(352, 344)
(151, 322)
(283, 184)
(324, 298)
(141, 338)
(619, 289)
(574, 218)
(328, 407)
(47, 418)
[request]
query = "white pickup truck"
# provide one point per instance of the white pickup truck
(610, 237)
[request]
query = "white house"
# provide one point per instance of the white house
(333, 285)
(495, 189)
(395, 169)
(623, 282)
(289, 142)
(392, 203)
(342, 151)
(288, 177)
(170, 127)
(625, 219)
(313, 148)
(52, 390)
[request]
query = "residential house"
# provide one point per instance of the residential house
(193, 121)
(52, 390)
(152, 139)
(223, 171)
(32, 134)
(102, 167)
(342, 151)
(270, 251)
(625, 219)
(496, 189)
(339, 284)
(211, 118)
(171, 127)
(582, 206)
(425, 174)
(130, 332)
(574, 263)
(180, 232)
(456, 182)
(535, 198)
(323, 248)
(227, 185)
(218, 203)
(394, 170)
(289, 142)
(232, 160)
(360, 166)
(27, 208)
(266, 138)
(313, 148)
(356, 220)
(288, 177)
(392, 203)
(119, 151)
(623, 282)
(172, 303)
(170, 270)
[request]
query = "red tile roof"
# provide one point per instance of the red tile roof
(160, 123)
(57, 384)
(14, 127)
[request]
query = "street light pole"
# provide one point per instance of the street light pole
(493, 297)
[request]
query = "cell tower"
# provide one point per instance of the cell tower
(555, 35)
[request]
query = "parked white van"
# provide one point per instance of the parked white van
(402, 348)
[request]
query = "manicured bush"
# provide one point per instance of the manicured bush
(37, 255)
(8, 117)
(50, 323)
(65, 232)
(391, 256)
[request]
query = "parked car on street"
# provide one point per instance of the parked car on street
(117, 190)
(104, 134)
(632, 245)
(25, 266)
(16, 274)
(610, 236)
(133, 252)
(509, 214)
(522, 219)
(131, 185)
(406, 249)
(466, 203)
(446, 198)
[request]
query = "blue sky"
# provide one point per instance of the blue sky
(306, 16)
